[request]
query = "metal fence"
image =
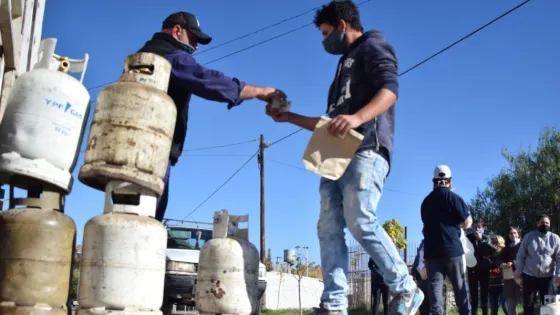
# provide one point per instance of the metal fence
(359, 275)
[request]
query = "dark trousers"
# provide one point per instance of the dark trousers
(497, 298)
(162, 204)
(425, 306)
(479, 277)
(532, 286)
(453, 269)
(378, 290)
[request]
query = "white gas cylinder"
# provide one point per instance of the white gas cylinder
(551, 305)
(42, 127)
(227, 281)
(123, 264)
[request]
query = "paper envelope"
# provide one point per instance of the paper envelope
(328, 155)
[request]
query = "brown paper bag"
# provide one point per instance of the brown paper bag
(328, 155)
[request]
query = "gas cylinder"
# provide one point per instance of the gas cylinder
(123, 255)
(42, 127)
(132, 128)
(227, 281)
(36, 245)
(551, 305)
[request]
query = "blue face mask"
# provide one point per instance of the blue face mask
(480, 230)
(188, 48)
(335, 43)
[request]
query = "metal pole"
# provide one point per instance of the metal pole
(262, 146)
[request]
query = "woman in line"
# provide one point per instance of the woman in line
(495, 291)
(512, 290)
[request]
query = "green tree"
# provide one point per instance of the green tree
(396, 232)
(527, 187)
(268, 263)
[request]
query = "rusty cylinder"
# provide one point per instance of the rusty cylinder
(36, 245)
(132, 128)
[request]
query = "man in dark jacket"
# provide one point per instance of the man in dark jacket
(379, 290)
(443, 214)
(420, 282)
(361, 97)
(479, 276)
(178, 39)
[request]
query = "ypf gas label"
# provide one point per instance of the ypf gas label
(65, 107)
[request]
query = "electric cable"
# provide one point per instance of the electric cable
(221, 186)
(251, 46)
(212, 147)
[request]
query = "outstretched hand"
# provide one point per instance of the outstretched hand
(276, 114)
(266, 93)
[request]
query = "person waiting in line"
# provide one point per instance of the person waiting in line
(421, 278)
(479, 275)
(512, 290)
(538, 260)
(496, 283)
(443, 214)
(379, 290)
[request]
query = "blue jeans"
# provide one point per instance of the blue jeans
(454, 269)
(351, 202)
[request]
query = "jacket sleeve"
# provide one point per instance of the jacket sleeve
(460, 206)
(206, 83)
(521, 253)
(381, 64)
(557, 256)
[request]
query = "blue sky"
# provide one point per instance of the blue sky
(493, 91)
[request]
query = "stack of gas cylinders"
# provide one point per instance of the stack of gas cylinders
(123, 255)
(40, 136)
(123, 261)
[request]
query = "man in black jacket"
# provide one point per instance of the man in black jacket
(480, 274)
(178, 39)
(443, 214)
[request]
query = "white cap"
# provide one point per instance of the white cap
(442, 172)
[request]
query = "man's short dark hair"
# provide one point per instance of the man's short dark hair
(335, 11)
(543, 216)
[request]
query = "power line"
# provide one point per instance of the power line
(213, 147)
(441, 51)
(257, 31)
(251, 46)
(221, 146)
(466, 36)
(222, 185)
(305, 170)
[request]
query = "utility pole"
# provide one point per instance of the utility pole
(262, 146)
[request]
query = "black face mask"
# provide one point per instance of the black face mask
(544, 228)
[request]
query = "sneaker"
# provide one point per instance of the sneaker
(406, 303)
(322, 311)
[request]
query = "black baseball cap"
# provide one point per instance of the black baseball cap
(189, 22)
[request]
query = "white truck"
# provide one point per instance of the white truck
(184, 241)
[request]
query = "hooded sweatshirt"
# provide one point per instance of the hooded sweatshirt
(369, 65)
(539, 254)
